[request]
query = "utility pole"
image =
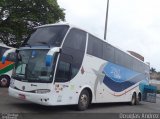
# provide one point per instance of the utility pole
(106, 21)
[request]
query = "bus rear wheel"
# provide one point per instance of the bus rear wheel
(4, 81)
(84, 99)
(138, 99)
(134, 99)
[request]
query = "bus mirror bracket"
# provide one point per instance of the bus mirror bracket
(50, 55)
(6, 54)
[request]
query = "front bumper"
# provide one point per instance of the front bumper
(42, 99)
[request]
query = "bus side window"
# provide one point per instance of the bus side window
(63, 72)
(95, 46)
(76, 40)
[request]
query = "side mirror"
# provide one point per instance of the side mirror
(50, 55)
(3, 60)
(6, 53)
(49, 60)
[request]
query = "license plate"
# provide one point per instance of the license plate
(21, 96)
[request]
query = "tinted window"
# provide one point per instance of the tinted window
(119, 57)
(128, 61)
(147, 68)
(108, 52)
(63, 72)
(51, 35)
(143, 67)
(138, 66)
(135, 65)
(73, 50)
(95, 46)
(72, 69)
(76, 39)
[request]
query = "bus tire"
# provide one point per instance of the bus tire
(83, 101)
(4, 81)
(133, 100)
(138, 99)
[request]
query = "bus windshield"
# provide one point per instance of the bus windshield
(48, 35)
(31, 67)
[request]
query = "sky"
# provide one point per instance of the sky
(132, 24)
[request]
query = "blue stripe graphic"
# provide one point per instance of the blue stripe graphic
(118, 78)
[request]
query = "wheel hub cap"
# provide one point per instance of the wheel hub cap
(84, 100)
(4, 81)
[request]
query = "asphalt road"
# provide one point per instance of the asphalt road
(12, 105)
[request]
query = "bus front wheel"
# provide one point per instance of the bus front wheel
(83, 101)
(4, 81)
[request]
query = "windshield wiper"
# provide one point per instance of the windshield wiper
(19, 74)
(30, 73)
(26, 44)
(18, 77)
(24, 80)
(44, 43)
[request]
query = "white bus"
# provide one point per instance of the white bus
(61, 64)
(5, 68)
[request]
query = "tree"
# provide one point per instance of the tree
(18, 17)
(153, 70)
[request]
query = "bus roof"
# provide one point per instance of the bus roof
(73, 26)
(57, 24)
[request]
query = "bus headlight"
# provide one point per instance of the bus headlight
(42, 91)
